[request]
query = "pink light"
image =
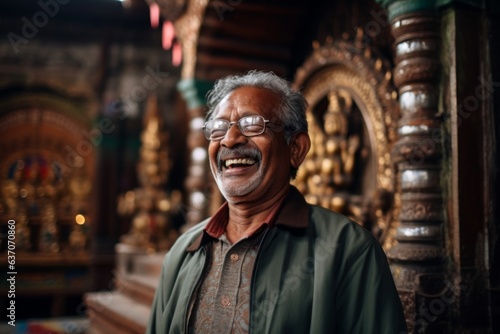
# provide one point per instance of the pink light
(176, 54)
(154, 15)
(168, 34)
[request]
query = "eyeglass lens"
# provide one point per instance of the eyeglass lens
(249, 126)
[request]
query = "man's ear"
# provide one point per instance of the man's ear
(299, 147)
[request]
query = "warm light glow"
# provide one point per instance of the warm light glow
(168, 34)
(154, 15)
(176, 54)
(80, 219)
(199, 154)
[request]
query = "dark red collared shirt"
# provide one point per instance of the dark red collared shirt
(291, 212)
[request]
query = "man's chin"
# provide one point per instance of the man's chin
(233, 186)
(231, 192)
(232, 189)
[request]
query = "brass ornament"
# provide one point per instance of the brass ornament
(150, 205)
(352, 118)
(188, 30)
(187, 17)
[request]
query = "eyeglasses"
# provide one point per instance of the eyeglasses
(250, 126)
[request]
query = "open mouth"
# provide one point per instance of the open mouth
(240, 162)
(238, 158)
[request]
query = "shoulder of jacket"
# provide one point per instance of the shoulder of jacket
(335, 225)
(195, 230)
(188, 237)
(321, 217)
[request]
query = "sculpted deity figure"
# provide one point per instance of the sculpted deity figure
(340, 149)
(48, 193)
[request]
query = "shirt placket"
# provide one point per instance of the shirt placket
(226, 298)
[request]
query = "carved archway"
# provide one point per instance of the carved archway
(47, 167)
(352, 117)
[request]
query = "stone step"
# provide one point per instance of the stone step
(148, 265)
(139, 287)
(114, 312)
(131, 259)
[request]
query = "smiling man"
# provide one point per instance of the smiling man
(268, 262)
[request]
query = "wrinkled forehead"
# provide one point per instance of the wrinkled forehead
(248, 100)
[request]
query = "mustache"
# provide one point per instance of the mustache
(249, 152)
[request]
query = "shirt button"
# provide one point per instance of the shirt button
(225, 301)
(234, 257)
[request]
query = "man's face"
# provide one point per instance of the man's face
(250, 168)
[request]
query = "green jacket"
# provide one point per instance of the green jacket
(316, 272)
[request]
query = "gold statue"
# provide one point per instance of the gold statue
(33, 192)
(340, 148)
(327, 174)
(48, 238)
(152, 207)
(48, 194)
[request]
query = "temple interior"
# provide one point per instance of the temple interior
(103, 163)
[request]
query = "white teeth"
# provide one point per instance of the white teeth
(244, 161)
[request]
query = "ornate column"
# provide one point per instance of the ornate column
(182, 22)
(418, 259)
(198, 182)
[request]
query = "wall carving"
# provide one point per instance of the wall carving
(352, 119)
(46, 172)
(151, 205)
(187, 17)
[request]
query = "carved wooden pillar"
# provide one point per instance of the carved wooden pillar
(418, 259)
(187, 17)
(199, 181)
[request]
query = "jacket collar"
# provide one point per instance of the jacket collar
(293, 213)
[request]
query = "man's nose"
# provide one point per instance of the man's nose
(233, 136)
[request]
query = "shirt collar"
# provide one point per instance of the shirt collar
(291, 212)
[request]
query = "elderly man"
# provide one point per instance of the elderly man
(268, 262)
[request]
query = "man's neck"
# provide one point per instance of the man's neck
(246, 218)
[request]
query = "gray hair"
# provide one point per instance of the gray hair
(293, 104)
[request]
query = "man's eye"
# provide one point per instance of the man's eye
(218, 132)
(253, 128)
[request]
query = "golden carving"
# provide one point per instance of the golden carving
(23, 232)
(151, 205)
(16, 207)
(40, 140)
(187, 17)
(342, 77)
(340, 148)
(348, 168)
(34, 191)
(49, 232)
(333, 155)
(187, 28)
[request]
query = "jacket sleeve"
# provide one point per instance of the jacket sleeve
(367, 300)
(155, 324)
(165, 316)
